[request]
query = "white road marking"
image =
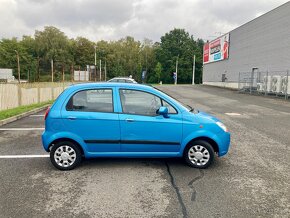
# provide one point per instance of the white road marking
(37, 115)
(23, 156)
(233, 114)
(21, 129)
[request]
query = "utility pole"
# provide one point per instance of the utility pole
(176, 69)
(146, 61)
(105, 70)
(100, 70)
(18, 65)
(62, 72)
(51, 70)
(193, 69)
(95, 55)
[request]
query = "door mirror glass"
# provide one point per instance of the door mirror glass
(163, 111)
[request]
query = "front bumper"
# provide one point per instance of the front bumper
(224, 140)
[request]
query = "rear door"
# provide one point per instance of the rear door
(90, 114)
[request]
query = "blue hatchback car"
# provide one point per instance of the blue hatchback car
(129, 120)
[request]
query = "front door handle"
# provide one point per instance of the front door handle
(129, 120)
(71, 118)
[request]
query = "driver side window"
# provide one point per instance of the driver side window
(139, 102)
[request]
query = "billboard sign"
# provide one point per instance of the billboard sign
(216, 50)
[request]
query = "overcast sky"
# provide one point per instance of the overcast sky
(114, 19)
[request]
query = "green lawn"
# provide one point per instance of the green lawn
(19, 110)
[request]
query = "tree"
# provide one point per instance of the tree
(53, 44)
(9, 48)
(157, 74)
(158, 71)
(177, 44)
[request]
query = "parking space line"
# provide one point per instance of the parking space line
(233, 114)
(23, 156)
(37, 115)
(21, 129)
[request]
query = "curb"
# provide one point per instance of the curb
(25, 114)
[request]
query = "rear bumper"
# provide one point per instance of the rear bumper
(45, 143)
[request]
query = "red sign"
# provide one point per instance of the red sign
(206, 53)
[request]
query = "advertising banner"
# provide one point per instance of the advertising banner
(216, 50)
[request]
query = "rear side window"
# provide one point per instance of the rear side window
(94, 100)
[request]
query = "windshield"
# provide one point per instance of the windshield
(185, 107)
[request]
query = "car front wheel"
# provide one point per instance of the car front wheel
(199, 154)
(65, 155)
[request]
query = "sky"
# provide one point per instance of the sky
(115, 19)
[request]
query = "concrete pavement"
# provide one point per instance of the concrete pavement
(251, 181)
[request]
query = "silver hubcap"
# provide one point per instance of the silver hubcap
(65, 156)
(198, 155)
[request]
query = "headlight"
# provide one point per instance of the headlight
(221, 125)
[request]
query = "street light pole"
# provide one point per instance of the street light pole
(193, 69)
(18, 65)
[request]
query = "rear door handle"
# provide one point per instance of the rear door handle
(129, 120)
(71, 118)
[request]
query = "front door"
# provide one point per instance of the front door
(89, 114)
(142, 129)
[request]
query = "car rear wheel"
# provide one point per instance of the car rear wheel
(65, 155)
(199, 154)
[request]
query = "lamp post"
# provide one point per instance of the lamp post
(18, 65)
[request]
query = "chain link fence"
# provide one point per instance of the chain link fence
(274, 83)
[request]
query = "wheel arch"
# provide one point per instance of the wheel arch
(66, 139)
(212, 142)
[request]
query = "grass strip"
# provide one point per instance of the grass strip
(19, 110)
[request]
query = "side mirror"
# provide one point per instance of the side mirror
(163, 111)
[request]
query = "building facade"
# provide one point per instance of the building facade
(262, 44)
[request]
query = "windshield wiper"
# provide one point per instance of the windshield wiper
(191, 108)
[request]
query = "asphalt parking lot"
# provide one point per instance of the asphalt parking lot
(251, 181)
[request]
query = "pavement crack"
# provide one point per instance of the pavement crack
(183, 208)
(190, 184)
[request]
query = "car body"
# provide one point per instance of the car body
(122, 80)
(129, 120)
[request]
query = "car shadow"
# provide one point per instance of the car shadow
(129, 162)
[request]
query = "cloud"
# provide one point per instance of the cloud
(113, 19)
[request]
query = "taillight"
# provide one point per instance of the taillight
(46, 113)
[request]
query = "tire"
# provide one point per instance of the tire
(65, 155)
(199, 154)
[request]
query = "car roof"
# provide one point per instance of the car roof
(109, 85)
(122, 77)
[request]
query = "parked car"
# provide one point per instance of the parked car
(122, 80)
(105, 120)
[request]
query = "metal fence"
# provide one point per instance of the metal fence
(274, 83)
